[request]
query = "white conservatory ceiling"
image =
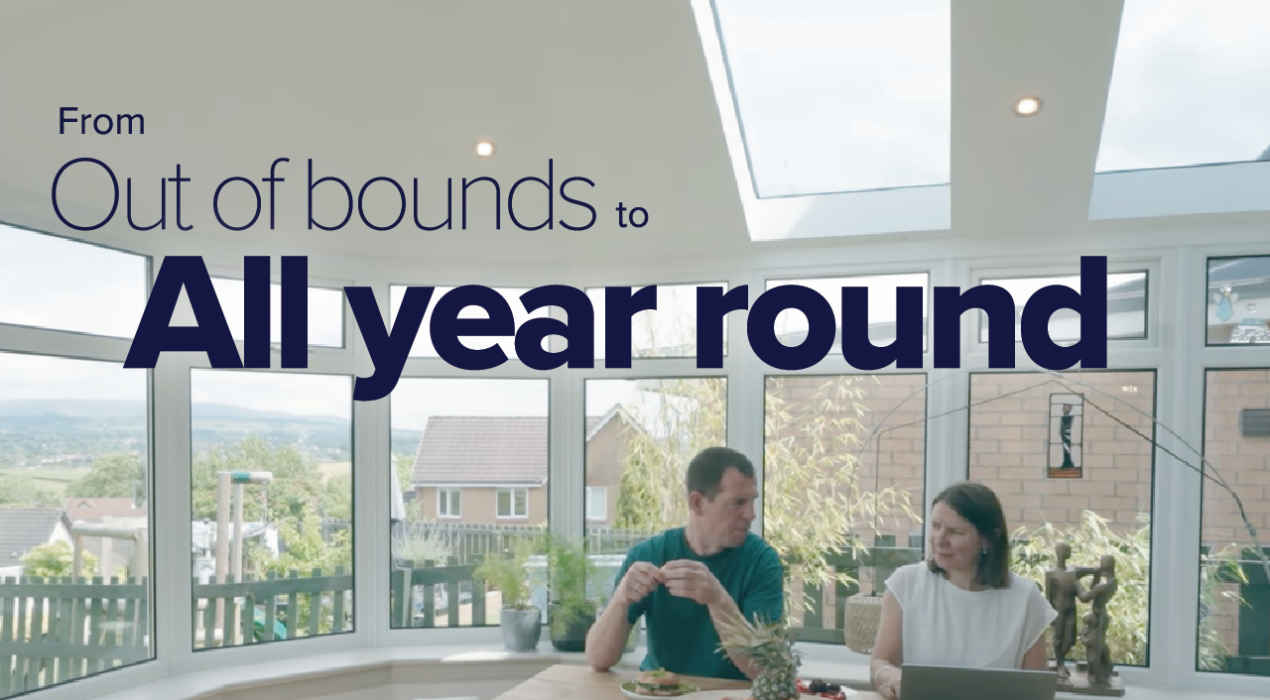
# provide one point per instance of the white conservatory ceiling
(736, 124)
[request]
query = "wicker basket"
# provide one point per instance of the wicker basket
(860, 621)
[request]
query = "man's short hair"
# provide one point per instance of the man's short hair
(705, 471)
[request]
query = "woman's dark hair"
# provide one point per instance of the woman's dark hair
(980, 507)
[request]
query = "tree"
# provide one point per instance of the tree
(113, 476)
(813, 505)
(55, 559)
(18, 491)
(337, 498)
(305, 552)
(297, 482)
(686, 416)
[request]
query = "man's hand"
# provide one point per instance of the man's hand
(640, 580)
(691, 579)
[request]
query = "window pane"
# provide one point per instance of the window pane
(825, 487)
(670, 331)
(273, 452)
(1100, 504)
(791, 325)
(74, 457)
(1126, 306)
(1238, 300)
(326, 312)
(813, 84)
(1234, 603)
(597, 503)
(640, 436)
(52, 282)
(423, 341)
(1180, 87)
(482, 439)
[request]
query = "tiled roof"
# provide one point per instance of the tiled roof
(92, 510)
(482, 450)
(23, 529)
(485, 450)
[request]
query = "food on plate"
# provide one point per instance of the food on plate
(659, 683)
(829, 691)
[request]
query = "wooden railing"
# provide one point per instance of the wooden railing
(823, 618)
(272, 608)
(468, 543)
(58, 629)
(453, 579)
(54, 630)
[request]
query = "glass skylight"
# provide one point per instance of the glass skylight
(840, 96)
(1190, 86)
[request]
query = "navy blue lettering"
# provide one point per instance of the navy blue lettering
(1090, 302)
(712, 306)
(388, 351)
(761, 327)
(447, 327)
(211, 334)
(619, 306)
(578, 331)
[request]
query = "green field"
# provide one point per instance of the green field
(54, 480)
(330, 470)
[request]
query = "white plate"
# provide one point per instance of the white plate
(742, 693)
(628, 689)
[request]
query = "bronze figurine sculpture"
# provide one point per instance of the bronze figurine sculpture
(1064, 591)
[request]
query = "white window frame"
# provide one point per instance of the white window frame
(449, 496)
(511, 491)
(597, 496)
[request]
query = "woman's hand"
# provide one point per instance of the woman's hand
(887, 682)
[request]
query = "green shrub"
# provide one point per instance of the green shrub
(1127, 634)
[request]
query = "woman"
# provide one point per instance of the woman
(962, 606)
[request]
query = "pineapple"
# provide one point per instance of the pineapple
(771, 648)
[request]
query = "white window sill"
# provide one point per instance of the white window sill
(483, 668)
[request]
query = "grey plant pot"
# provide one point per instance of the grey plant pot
(521, 629)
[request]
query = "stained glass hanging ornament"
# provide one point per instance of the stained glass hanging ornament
(1251, 329)
(1225, 300)
(1065, 436)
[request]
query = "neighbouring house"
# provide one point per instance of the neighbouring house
(97, 510)
(493, 469)
(24, 529)
(121, 513)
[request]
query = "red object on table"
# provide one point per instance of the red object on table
(804, 687)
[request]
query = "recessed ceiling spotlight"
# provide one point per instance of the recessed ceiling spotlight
(484, 149)
(1027, 106)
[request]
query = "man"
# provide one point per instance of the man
(686, 580)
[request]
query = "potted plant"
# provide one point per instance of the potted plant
(571, 611)
(520, 620)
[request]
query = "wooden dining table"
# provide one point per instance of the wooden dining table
(577, 682)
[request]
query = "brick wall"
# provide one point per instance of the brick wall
(1244, 464)
(894, 460)
(1010, 433)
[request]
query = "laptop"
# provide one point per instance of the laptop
(953, 683)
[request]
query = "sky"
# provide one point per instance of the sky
(39, 377)
(301, 394)
(842, 96)
(51, 281)
(415, 399)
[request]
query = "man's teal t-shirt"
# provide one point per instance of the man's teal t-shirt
(681, 635)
